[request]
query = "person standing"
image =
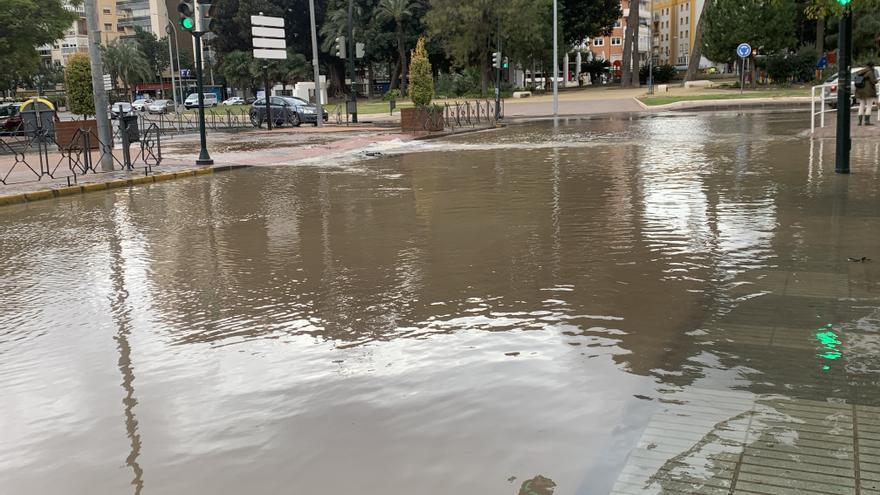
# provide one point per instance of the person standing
(866, 92)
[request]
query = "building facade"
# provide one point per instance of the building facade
(674, 25)
(76, 39)
(610, 47)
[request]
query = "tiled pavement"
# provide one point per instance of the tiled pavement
(805, 419)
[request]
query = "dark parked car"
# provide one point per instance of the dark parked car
(249, 100)
(10, 120)
(285, 110)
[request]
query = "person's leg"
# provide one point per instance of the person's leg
(861, 109)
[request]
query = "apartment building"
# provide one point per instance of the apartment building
(674, 26)
(610, 47)
(149, 15)
(76, 39)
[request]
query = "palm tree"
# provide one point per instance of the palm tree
(125, 61)
(399, 11)
(240, 69)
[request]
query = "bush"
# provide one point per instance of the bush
(78, 83)
(791, 67)
(421, 81)
(392, 94)
(662, 74)
(459, 84)
(595, 68)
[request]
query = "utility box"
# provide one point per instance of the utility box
(129, 128)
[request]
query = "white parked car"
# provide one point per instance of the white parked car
(235, 100)
(192, 101)
(141, 104)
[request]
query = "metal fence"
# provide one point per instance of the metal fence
(459, 115)
(34, 156)
(183, 123)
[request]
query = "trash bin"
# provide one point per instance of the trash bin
(130, 128)
(38, 118)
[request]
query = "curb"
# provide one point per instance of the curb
(29, 197)
(729, 103)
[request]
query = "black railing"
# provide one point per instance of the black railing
(34, 156)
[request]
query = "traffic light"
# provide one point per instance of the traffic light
(506, 64)
(496, 60)
(844, 2)
(359, 50)
(187, 16)
(205, 15)
(340, 47)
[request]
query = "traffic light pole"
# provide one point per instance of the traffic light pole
(844, 100)
(351, 69)
(498, 75)
(204, 157)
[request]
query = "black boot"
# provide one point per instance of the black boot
(860, 120)
(868, 120)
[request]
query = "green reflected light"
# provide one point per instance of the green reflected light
(830, 343)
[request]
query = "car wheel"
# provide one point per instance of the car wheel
(294, 120)
(256, 121)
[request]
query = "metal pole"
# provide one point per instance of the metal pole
(844, 143)
(204, 157)
(177, 54)
(317, 66)
(268, 105)
(555, 62)
(101, 103)
(351, 56)
(498, 75)
(742, 69)
(168, 30)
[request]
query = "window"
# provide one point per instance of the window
(599, 42)
(120, 29)
(108, 27)
(615, 42)
(617, 23)
(107, 11)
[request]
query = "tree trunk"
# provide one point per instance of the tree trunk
(632, 25)
(484, 73)
(392, 72)
(753, 69)
(696, 52)
(369, 80)
(401, 49)
(636, 62)
(820, 36)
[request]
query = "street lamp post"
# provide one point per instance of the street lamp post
(204, 157)
(844, 76)
(169, 29)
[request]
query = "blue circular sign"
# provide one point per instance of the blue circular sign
(744, 50)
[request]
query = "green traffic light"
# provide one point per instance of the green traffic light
(844, 2)
(186, 23)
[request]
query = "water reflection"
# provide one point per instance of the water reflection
(611, 303)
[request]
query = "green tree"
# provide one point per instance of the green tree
(124, 60)
(289, 70)
(25, 25)
(154, 50)
(239, 69)
(582, 19)
(399, 11)
(466, 29)
(768, 25)
(78, 82)
(421, 81)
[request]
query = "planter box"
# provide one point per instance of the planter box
(65, 130)
(421, 119)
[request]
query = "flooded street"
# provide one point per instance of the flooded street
(670, 304)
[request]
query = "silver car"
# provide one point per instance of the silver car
(161, 106)
(831, 87)
(141, 104)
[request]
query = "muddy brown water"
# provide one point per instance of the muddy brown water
(487, 314)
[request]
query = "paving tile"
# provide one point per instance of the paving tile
(777, 481)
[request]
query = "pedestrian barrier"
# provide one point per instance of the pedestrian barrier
(470, 113)
(822, 99)
(36, 156)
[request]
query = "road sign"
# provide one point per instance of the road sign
(744, 50)
(108, 82)
(823, 63)
(268, 37)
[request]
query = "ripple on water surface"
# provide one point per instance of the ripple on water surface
(609, 305)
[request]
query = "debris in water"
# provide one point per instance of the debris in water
(538, 485)
(859, 260)
(511, 353)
